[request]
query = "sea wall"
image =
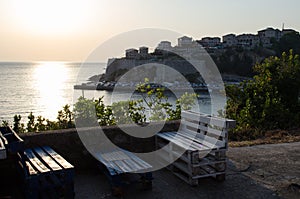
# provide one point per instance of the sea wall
(67, 142)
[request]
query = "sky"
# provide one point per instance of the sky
(69, 30)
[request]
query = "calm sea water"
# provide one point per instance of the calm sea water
(41, 87)
(45, 87)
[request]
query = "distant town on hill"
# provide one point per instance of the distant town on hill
(233, 54)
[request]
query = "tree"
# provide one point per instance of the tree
(31, 123)
(90, 112)
(158, 105)
(18, 127)
(65, 118)
(126, 112)
(271, 99)
(288, 41)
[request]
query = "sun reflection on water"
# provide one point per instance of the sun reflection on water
(50, 78)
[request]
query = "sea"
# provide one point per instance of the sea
(43, 88)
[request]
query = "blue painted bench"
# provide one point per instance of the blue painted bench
(3, 142)
(12, 142)
(45, 174)
(116, 163)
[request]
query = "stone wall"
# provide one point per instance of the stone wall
(68, 143)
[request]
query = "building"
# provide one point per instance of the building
(144, 52)
(132, 53)
(229, 40)
(287, 31)
(164, 45)
(209, 42)
(248, 41)
(185, 41)
(267, 35)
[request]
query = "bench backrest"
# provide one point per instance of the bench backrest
(210, 130)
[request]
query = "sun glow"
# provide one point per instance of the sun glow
(51, 16)
(50, 78)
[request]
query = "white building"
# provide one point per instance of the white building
(185, 41)
(249, 41)
(229, 40)
(164, 45)
(267, 35)
(210, 41)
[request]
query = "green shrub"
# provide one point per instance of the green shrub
(270, 100)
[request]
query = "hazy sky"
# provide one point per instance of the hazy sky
(68, 30)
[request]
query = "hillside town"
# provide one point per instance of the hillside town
(263, 38)
(233, 54)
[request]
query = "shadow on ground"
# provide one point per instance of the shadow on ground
(166, 185)
(265, 171)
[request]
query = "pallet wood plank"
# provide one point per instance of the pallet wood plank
(208, 119)
(2, 150)
(185, 144)
(4, 140)
(138, 160)
(201, 127)
(112, 168)
(36, 162)
(184, 141)
(31, 170)
(206, 141)
(125, 168)
(47, 159)
(58, 158)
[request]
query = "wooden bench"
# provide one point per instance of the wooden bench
(204, 140)
(45, 174)
(13, 143)
(3, 142)
(119, 162)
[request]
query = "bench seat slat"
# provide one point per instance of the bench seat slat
(115, 155)
(31, 170)
(220, 122)
(172, 139)
(48, 159)
(125, 168)
(112, 168)
(5, 142)
(182, 141)
(58, 158)
(2, 150)
(138, 160)
(201, 127)
(121, 161)
(135, 166)
(207, 141)
(35, 161)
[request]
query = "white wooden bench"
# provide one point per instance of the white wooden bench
(205, 141)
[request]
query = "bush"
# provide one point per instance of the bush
(270, 100)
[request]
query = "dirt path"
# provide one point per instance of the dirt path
(275, 166)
